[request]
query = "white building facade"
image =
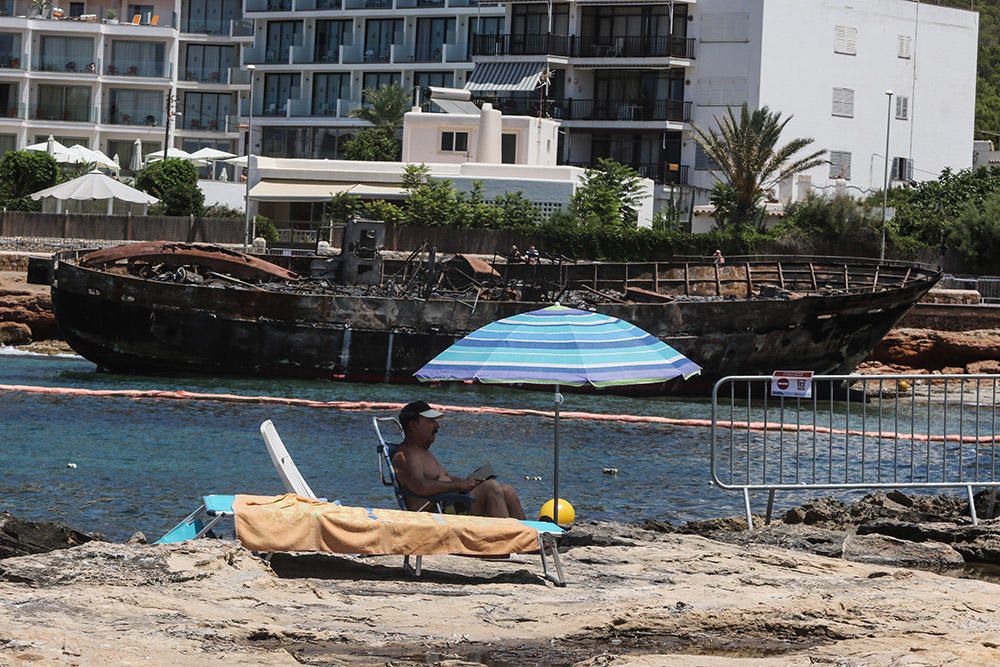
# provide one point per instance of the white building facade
(101, 73)
(829, 65)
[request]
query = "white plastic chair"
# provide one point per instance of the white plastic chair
(283, 463)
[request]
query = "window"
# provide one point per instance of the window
(703, 161)
(76, 9)
(211, 17)
(902, 108)
(137, 59)
(66, 54)
(840, 165)
(432, 36)
(455, 142)
(846, 40)
(209, 111)
(280, 36)
(330, 36)
(10, 50)
(436, 79)
(145, 12)
(380, 35)
(123, 149)
(328, 89)
(843, 102)
(278, 89)
(8, 100)
(489, 27)
(903, 46)
(381, 79)
(304, 142)
(208, 62)
(136, 107)
(70, 103)
(722, 92)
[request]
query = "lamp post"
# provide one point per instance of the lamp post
(246, 195)
(166, 124)
(885, 177)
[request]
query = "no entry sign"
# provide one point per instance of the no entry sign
(795, 384)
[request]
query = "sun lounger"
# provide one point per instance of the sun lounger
(283, 463)
(294, 524)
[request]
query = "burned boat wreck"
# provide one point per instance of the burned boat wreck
(178, 308)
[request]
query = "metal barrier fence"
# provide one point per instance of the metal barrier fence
(856, 432)
(987, 286)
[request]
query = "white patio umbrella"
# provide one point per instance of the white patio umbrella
(82, 154)
(94, 186)
(51, 146)
(211, 154)
(240, 161)
(135, 164)
(118, 162)
(171, 153)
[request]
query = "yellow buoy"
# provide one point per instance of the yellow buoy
(567, 515)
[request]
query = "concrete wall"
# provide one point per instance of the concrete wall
(537, 139)
(229, 194)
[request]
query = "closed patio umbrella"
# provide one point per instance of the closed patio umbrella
(560, 346)
(135, 164)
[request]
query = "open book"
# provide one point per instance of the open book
(483, 472)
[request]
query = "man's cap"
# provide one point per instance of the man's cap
(416, 409)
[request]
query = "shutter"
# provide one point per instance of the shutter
(846, 40)
(843, 102)
(848, 102)
(903, 46)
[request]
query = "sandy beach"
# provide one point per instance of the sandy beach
(635, 597)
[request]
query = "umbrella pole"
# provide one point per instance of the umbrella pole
(558, 399)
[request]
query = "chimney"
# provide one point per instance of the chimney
(488, 144)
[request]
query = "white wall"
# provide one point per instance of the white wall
(537, 139)
(793, 68)
(228, 194)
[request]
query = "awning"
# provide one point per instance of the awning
(505, 76)
(318, 191)
(297, 190)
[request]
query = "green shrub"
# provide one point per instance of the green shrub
(23, 173)
(266, 229)
(374, 145)
(175, 183)
(221, 211)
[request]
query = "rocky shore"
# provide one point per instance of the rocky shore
(637, 595)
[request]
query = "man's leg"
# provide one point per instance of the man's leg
(513, 502)
(489, 500)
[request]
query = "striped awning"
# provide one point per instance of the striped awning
(505, 76)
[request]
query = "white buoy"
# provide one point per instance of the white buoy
(610, 471)
(70, 465)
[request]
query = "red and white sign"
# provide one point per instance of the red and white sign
(794, 384)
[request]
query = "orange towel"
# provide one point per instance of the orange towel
(293, 523)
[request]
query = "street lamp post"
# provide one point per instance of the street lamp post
(246, 195)
(166, 123)
(885, 177)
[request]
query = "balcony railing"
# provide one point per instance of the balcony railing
(70, 113)
(65, 64)
(215, 123)
(148, 68)
(658, 172)
(219, 26)
(575, 46)
(12, 112)
(587, 109)
(269, 5)
(11, 61)
(133, 118)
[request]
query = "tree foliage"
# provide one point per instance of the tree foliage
(928, 211)
(175, 183)
(384, 107)
(373, 144)
(21, 174)
(976, 234)
(609, 194)
(750, 160)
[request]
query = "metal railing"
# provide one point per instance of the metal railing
(583, 46)
(592, 109)
(987, 286)
(855, 432)
(658, 172)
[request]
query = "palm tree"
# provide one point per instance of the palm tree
(384, 107)
(750, 161)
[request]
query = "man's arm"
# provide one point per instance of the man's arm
(418, 475)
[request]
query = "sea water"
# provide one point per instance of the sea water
(142, 464)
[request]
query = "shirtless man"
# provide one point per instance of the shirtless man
(421, 473)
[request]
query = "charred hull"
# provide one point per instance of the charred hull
(130, 324)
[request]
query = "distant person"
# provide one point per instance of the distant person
(419, 472)
(717, 257)
(515, 255)
(531, 255)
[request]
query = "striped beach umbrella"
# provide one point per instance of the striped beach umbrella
(559, 346)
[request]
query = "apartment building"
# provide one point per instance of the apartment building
(313, 59)
(628, 79)
(102, 73)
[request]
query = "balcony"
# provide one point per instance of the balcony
(269, 6)
(12, 112)
(339, 109)
(68, 113)
(141, 68)
(218, 123)
(658, 172)
(221, 26)
(135, 118)
(574, 46)
(12, 61)
(677, 111)
(66, 64)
